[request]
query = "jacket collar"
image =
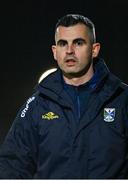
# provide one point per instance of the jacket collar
(52, 85)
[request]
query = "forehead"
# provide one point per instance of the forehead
(72, 32)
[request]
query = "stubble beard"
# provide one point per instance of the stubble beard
(78, 74)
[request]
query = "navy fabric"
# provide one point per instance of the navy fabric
(80, 97)
(45, 141)
(80, 94)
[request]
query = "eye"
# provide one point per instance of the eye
(79, 42)
(62, 43)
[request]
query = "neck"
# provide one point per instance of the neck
(77, 81)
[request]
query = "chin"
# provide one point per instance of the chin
(71, 74)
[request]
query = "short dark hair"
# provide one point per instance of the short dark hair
(73, 19)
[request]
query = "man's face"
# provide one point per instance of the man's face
(73, 50)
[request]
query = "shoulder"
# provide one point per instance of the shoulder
(125, 90)
(124, 86)
(29, 105)
(114, 80)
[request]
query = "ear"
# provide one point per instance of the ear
(95, 50)
(54, 51)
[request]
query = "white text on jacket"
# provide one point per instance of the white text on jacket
(27, 106)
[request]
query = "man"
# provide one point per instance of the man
(76, 124)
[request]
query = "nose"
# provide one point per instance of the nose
(70, 49)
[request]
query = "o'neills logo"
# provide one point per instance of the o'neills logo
(27, 106)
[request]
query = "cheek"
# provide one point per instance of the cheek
(88, 52)
(60, 55)
(84, 54)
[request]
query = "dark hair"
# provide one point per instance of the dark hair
(73, 19)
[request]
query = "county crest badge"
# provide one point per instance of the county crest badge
(109, 114)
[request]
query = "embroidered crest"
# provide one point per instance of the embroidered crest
(109, 114)
(50, 116)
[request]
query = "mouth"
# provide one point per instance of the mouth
(70, 62)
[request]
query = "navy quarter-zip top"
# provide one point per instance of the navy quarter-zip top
(67, 132)
(80, 94)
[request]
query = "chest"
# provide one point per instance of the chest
(100, 126)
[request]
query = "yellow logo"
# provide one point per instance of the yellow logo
(50, 116)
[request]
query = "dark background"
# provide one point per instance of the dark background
(27, 33)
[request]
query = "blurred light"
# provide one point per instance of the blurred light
(46, 73)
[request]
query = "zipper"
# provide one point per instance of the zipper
(78, 102)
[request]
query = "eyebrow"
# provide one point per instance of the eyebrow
(79, 39)
(74, 41)
(61, 41)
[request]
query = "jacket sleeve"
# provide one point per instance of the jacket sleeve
(18, 152)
